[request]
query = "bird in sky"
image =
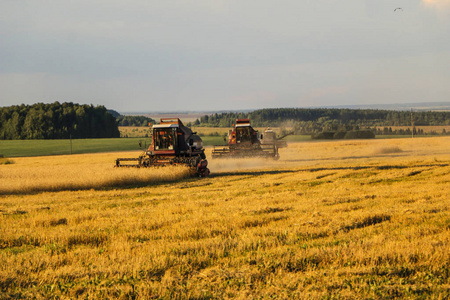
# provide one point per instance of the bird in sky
(398, 8)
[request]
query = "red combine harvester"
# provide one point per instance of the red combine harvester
(244, 141)
(172, 144)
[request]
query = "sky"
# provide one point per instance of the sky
(206, 55)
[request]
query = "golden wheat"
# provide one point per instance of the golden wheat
(137, 131)
(347, 219)
(75, 172)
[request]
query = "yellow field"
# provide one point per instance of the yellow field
(136, 131)
(346, 219)
(75, 172)
(223, 131)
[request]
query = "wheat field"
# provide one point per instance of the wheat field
(78, 172)
(338, 219)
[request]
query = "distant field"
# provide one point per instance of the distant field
(136, 131)
(210, 136)
(366, 219)
(16, 148)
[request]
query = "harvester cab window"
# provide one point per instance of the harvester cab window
(243, 134)
(165, 139)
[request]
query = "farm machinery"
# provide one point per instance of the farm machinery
(244, 141)
(172, 144)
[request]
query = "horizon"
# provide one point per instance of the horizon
(419, 106)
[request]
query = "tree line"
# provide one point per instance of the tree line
(139, 121)
(56, 121)
(69, 120)
(134, 120)
(310, 121)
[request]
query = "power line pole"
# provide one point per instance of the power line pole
(412, 124)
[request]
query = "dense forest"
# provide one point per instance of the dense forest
(56, 121)
(134, 121)
(140, 121)
(309, 121)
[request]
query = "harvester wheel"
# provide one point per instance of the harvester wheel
(146, 163)
(203, 173)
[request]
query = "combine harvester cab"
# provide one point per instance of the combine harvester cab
(244, 141)
(172, 144)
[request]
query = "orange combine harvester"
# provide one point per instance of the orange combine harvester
(244, 141)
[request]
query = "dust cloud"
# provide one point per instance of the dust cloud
(304, 155)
